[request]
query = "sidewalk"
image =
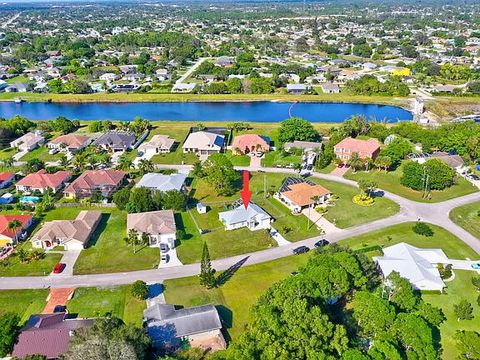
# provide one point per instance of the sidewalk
(319, 221)
(281, 241)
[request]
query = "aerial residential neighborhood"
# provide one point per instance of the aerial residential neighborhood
(239, 180)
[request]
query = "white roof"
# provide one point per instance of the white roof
(240, 214)
(416, 265)
(162, 182)
(204, 140)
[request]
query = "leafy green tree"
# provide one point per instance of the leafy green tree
(140, 290)
(296, 129)
(218, 171)
(207, 273)
(413, 175)
(139, 200)
(121, 197)
(430, 314)
(476, 282)
(133, 239)
(8, 332)
(373, 314)
(124, 163)
(468, 344)
(355, 162)
(415, 336)
(146, 166)
(33, 165)
(463, 310)
(367, 187)
(422, 229)
(401, 293)
(174, 200)
(440, 174)
(381, 350)
(397, 150)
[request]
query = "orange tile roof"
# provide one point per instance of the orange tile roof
(4, 176)
(6, 219)
(41, 179)
(91, 179)
(361, 146)
(302, 193)
(248, 141)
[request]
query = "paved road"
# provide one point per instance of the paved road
(435, 213)
(191, 70)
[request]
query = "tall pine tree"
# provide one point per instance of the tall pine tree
(207, 273)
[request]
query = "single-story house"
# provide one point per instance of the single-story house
(364, 148)
(161, 182)
(6, 179)
(330, 88)
(416, 265)
(253, 217)
(108, 77)
(305, 145)
(48, 335)
(200, 325)
(41, 181)
(116, 140)
(454, 161)
(297, 88)
(298, 194)
(29, 141)
(244, 144)
(203, 143)
(72, 143)
(9, 236)
(72, 234)
(224, 61)
(158, 144)
(183, 87)
(17, 87)
(104, 182)
(158, 225)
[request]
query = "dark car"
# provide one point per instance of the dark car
(301, 249)
(341, 165)
(321, 243)
(60, 309)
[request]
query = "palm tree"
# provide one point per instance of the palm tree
(355, 161)
(124, 126)
(80, 160)
(8, 162)
(297, 167)
(124, 162)
(383, 162)
(22, 255)
(13, 226)
(145, 166)
(132, 239)
(63, 161)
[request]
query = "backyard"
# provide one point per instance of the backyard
(390, 181)
(41, 153)
(117, 301)
(468, 217)
(458, 289)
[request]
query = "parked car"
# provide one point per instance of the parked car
(59, 268)
(473, 177)
(60, 309)
(53, 151)
(476, 266)
(341, 165)
(164, 258)
(321, 243)
(163, 248)
(301, 249)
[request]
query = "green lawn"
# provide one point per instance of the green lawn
(18, 79)
(7, 153)
(391, 182)
(451, 245)
(238, 160)
(235, 298)
(458, 289)
(118, 301)
(274, 158)
(468, 217)
(41, 153)
(23, 302)
(13, 267)
(107, 251)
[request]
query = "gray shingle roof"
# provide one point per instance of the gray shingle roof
(162, 182)
(117, 139)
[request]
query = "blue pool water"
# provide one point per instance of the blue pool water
(30, 199)
(261, 111)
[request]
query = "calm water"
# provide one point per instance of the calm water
(263, 111)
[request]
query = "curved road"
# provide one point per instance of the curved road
(435, 213)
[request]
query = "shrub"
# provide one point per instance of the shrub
(445, 271)
(363, 200)
(422, 229)
(140, 289)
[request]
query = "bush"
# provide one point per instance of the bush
(140, 290)
(445, 271)
(422, 229)
(363, 200)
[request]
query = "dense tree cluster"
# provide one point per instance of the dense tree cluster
(336, 308)
(434, 174)
(297, 129)
(370, 85)
(141, 199)
(218, 171)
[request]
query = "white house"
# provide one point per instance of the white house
(161, 182)
(158, 225)
(253, 217)
(158, 144)
(416, 265)
(29, 141)
(203, 143)
(108, 77)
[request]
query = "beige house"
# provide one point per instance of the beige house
(158, 144)
(72, 234)
(29, 141)
(203, 143)
(158, 225)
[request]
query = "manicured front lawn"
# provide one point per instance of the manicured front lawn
(23, 302)
(14, 267)
(107, 251)
(468, 217)
(41, 153)
(452, 246)
(7, 153)
(235, 298)
(458, 289)
(221, 243)
(238, 160)
(117, 301)
(390, 181)
(274, 158)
